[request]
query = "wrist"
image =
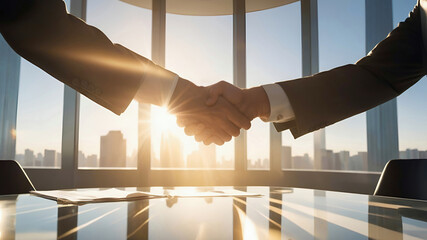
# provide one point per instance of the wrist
(258, 102)
(184, 91)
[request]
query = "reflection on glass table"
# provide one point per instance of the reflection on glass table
(282, 213)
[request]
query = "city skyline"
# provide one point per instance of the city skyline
(278, 59)
(113, 155)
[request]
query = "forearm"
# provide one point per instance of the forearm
(77, 54)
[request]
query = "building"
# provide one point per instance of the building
(92, 161)
(171, 155)
(381, 121)
(319, 148)
(328, 160)
(409, 154)
(203, 157)
(82, 159)
(113, 150)
(49, 158)
(286, 157)
(29, 158)
(302, 162)
(38, 162)
(423, 154)
(341, 160)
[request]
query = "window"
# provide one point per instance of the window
(410, 108)
(198, 48)
(39, 118)
(273, 55)
(341, 41)
(107, 140)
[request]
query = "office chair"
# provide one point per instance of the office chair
(13, 179)
(404, 178)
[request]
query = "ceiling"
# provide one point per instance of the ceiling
(209, 7)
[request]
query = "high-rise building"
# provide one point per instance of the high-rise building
(423, 154)
(29, 158)
(412, 153)
(359, 162)
(302, 162)
(328, 159)
(92, 161)
(319, 148)
(171, 155)
(286, 157)
(341, 160)
(9, 84)
(381, 121)
(81, 159)
(49, 158)
(39, 160)
(113, 150)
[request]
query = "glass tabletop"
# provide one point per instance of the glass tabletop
(281, 213)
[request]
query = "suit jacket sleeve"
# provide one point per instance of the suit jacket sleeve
(73, 52)
(394, 65)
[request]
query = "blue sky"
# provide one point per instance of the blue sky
(200, 49)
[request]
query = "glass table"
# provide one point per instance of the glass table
(282, 213)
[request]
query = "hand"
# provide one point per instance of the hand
(213, 124)
(251, 102)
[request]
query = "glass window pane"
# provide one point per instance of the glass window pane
(39, 119)
(198, 48)
(342, 41)
(273, 55)
(410, 105)
(108, 140)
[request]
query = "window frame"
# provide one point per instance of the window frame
(70, 176)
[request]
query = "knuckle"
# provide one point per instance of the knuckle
(187, 131)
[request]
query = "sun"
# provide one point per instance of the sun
(162, 120)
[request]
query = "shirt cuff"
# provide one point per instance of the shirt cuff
(280, 107)
(160, 80)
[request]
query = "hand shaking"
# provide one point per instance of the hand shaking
(215, 113)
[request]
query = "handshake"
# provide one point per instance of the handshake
(216, 113)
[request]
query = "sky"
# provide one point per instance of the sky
(200, 49)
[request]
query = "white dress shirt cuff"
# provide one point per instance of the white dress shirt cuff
(160, 81)
(280, 107)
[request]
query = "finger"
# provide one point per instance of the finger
(229, 127)
(214, 139)
(203, 135)
(207, 141)
(232, 93)
(180, 122)
(238, 119)
(194, 129)
(234, 115)
(221, 134)
(214, 92)
(185, 121)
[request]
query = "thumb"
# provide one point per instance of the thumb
(214, 92)
(230, 92)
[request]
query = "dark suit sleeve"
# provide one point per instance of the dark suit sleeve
(73, 52)
(394, 65)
